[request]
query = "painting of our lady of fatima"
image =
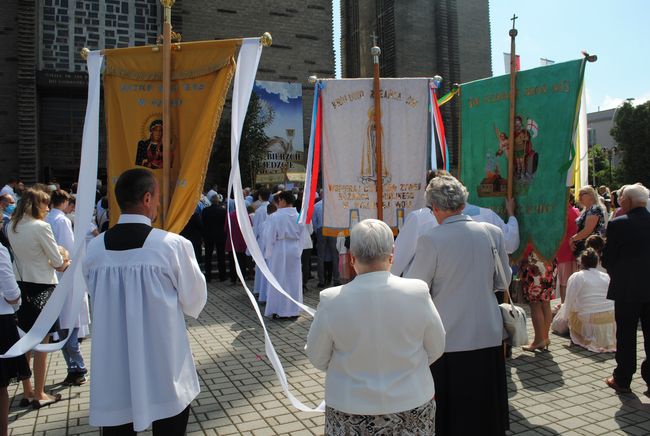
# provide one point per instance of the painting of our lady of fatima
(149, 153)
(525, 160)
(368, 173)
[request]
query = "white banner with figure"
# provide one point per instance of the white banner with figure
(349, 152)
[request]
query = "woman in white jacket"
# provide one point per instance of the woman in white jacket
(376, 337)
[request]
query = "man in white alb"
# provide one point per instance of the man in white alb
(142, 282)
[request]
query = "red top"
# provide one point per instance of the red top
(564, 253)
(237, 237)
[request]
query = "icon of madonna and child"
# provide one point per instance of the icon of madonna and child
(149, 153)
(525, 160)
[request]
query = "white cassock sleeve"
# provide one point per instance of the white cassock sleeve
(510, 229)
(269, 236)
(319, 341)
(425, 261)
(405, 245)
(64, 234)
(190, 284)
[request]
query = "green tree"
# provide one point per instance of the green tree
(632, 133)
(253, 144)
(599, 167)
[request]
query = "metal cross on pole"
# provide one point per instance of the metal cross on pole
(513, 92)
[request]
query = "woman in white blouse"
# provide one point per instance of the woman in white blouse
(375, 337)
(590, 313)
(36, 260)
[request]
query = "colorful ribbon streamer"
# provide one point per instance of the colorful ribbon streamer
(313, 159)
(439, 127)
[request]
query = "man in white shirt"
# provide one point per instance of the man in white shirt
(419, 221)
(70, 323)
(142, 282)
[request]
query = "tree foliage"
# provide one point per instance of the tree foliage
(632, 133)
(252, 148)
(599, 173)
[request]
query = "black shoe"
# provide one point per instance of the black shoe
(74, 379)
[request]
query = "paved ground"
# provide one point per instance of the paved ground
(557, 392)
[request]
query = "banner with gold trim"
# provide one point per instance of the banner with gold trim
(201, 73)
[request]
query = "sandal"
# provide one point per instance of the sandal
(37, 404)
(25, 401)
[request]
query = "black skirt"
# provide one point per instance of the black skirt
(34, 296)
(471, 393)
(13, 369)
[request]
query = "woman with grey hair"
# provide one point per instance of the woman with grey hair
(457, 261)
(376, 337)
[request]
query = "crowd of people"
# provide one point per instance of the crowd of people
(408, 330)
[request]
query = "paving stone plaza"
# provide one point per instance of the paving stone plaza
(560, 392)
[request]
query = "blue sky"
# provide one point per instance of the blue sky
(618, 32)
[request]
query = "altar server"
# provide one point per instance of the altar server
(283, 245)
(142, 282)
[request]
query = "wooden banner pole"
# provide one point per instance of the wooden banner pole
(513, 96)
(375, 51)
(167, 127)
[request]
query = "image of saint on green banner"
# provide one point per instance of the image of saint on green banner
(545, 122)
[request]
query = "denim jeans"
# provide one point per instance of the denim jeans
(72, 353)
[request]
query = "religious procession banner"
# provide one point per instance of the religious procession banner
(349, 152)
(201, 75)
(281, 114)
(546, 118)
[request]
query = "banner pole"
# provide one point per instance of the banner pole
(166, 82)
(513, 92)
(376, 51)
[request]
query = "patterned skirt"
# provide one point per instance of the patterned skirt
(415, 422)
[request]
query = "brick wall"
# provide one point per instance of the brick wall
(8, 83)
(302, 37)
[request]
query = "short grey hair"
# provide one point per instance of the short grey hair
(637, 193)
(446, 193)
(371, 240)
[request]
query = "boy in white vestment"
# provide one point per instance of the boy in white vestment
(142, 282)
(283, 244)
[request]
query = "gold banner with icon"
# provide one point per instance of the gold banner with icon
(133, 93)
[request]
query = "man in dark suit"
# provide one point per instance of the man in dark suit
(626, 256)
(214, 236)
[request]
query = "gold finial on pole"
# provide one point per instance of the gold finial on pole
(84, 53)
(266, 39)
(167, 4)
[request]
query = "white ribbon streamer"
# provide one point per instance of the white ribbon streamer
(247, 62)
(72, 280)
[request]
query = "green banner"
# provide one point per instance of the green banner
(545, 121)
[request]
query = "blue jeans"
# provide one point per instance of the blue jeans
(72, 353)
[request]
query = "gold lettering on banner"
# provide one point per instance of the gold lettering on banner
(387, 94)
(355, 196)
